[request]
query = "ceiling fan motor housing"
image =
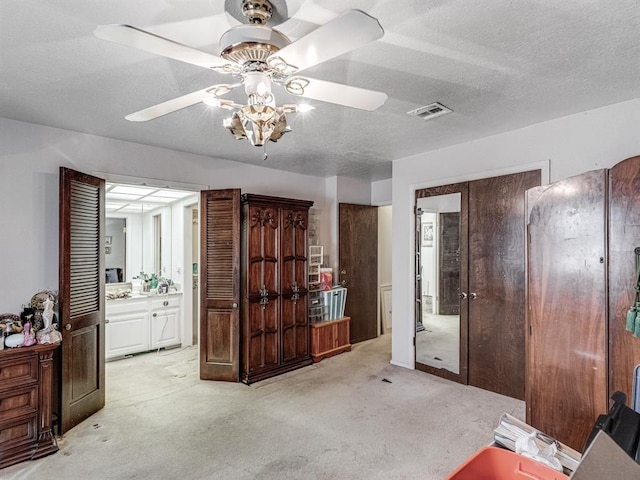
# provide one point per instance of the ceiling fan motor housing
(251, 43)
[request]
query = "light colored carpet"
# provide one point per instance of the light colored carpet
(334, 420)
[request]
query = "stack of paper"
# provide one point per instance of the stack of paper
(511, 429)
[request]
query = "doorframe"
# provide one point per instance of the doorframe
(187, 302)
(404, 329)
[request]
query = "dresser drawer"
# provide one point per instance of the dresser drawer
(18, 402)
(19, 371)
(13, 434)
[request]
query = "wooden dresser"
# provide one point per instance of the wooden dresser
(330, 338)
(26, 375)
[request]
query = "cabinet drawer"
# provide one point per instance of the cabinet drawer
(161, 302)
(18, 402)
(18, 432)
(18, 372)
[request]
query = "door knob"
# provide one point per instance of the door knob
(67, 327)
(462, 295)
(472, 296)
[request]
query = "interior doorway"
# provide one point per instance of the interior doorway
(157, 259)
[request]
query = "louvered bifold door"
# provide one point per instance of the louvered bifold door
(220, 285)
(81, 296)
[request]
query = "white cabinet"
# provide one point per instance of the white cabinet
(165, 322)
(140, 324)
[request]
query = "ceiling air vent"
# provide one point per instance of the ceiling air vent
(430, 111)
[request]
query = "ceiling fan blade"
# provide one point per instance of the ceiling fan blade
(178, 103)
(337, 93)
(341, 35)
(149, 42)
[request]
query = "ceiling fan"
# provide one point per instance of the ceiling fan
(259, 57)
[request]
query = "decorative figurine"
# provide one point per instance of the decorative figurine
(48, 334)
(29, 337)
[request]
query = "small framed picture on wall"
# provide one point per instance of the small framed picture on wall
(427, 234)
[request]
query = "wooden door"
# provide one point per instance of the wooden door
(566, 317)
(220, 285)
(497, 282)
(293, 287)
(261, 296)
(624, 237)
(81, 296)
(358, 270)
(449, 263)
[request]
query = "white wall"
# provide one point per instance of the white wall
(385, 241)
(30, 157)
(571, 145)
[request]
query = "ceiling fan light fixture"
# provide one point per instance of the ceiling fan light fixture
(281, 67)
(211, 101)
(296, 85)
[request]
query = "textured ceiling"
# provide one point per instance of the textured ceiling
(499, 65)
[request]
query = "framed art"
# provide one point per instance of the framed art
(385, 307)
(427, 234)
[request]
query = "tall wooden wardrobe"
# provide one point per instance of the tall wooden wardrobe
(274, 317)
(581, 267)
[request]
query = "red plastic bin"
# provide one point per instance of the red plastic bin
(493, 463)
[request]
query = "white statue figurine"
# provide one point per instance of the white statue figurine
(48, 334)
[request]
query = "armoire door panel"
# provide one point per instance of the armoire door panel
(294, 250)
(263, 238)
(566, 350)
(262, 337)
(497, 282)
(624, 237)
(295, 328)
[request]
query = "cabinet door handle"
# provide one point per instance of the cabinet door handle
(155, 314)
(473, 296)
(234, 305)
(462, 295)
(106, 320)
(67, 327)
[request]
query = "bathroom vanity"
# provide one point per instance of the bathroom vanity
(141, 323)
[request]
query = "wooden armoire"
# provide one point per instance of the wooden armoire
(275, 335)
(581, 276)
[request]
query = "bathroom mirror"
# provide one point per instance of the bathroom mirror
(138, 228)
(441, 333)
